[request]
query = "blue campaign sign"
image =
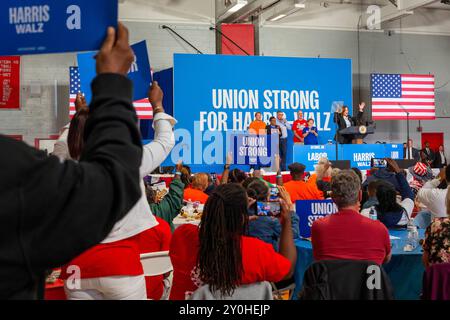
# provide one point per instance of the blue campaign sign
(310, 155)
(394, 151)
(250, 149)
(49, 26)
(216, 95)
(359, 155)
(139, 72)
(309, 211)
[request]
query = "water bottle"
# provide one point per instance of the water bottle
(413, 235)
(373, 214)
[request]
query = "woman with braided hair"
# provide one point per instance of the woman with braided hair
(218, 254)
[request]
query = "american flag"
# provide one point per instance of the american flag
(391, 92)
(143, 107)
(75, 87)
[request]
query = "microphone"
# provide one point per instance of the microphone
(179, 36)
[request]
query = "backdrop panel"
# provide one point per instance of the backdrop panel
(217, 95)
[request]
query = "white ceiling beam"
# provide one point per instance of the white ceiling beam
(413, 4)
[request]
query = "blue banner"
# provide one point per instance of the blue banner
(250, 149)
(309, 211)
(218, 95)
(359, 155)
(49, 26)
(139, 73)
(310, 155)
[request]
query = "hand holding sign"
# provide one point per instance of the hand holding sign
(116, 55)
(80, 102)
(155, 96)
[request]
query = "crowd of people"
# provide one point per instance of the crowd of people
(91, 209)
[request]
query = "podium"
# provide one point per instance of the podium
(357, 133)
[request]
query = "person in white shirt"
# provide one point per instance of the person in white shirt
(138, 219)
(432, 197)
(390, 210)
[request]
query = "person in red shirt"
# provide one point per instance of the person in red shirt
(348, 235)
(298, 188)
(154, 240)
(196, 192)
(218, 254)
(297, 128)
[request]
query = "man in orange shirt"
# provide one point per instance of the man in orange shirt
(257, 126)
(195, 192)
(298, 188)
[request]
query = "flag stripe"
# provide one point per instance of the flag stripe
(418, 86)
(403, 117)
(418, 75)
(396, 107)
(383, 110)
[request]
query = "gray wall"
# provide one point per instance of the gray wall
(379, 53)
(43, 114)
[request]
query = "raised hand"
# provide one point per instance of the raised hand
(392, 165)
(116, 55)
(80, 102)
(362, 105)
(155, 96)
(229, 158)
(179, 165)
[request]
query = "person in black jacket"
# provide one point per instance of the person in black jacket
(52, 211)
(344, 120)
(428, 154)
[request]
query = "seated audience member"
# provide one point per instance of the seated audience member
(112, 269)
(218, 253)
(323, 177)
(186, 176)
(432, 197)
(196, 191)
(168, 207)
(347, 235)
(154, 240)
(389, 211)
(381, 174)
(212, 184)
(310, 134)
(233, 176)
(436, 247)
(421, 174)
(298, 188)
(372, 195)
(60, 148)
(249, 180)
(267, 228)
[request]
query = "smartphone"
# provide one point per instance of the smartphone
(274, 193)
(379, 163)
(269, 209)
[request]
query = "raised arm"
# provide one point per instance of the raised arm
(226, 168)
(157, 151)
